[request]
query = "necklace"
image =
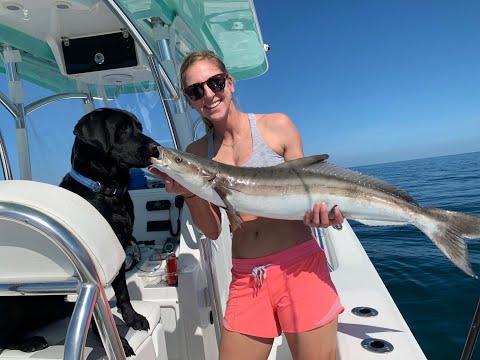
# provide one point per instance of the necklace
(231, 145)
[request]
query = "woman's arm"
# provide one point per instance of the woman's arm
(206, 216)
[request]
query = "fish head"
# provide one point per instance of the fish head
(189, 170)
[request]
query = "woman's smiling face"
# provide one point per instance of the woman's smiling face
(213, 106)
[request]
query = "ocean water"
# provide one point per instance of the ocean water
(437, 300)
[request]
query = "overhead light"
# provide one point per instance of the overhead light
(13, 6)
(117, 79)
(63, 5)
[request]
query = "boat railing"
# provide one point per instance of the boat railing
(7, 170)
(57, 97)
(472, 337)
(31, 215)
(162, 80)
(212, 285)
(14, 110)
(325, 240)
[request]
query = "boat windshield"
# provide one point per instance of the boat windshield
(50, 128)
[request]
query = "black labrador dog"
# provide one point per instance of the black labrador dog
(108, 143)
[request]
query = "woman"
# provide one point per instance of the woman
(280, 280)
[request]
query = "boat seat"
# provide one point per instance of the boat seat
(54, 241)
(147, 345)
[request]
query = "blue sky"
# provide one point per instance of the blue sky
(372, 81)
(367, 82)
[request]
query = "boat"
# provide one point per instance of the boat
(62, 59)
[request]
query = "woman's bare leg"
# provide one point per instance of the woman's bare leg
(235, 346)
(316, 344)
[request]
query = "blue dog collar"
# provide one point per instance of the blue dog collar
(96, 186)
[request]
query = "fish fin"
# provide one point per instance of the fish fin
(303, 162)
(448, 230)
(221, 191)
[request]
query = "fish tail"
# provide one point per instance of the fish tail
(448, 230)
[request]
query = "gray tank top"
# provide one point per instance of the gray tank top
(262, 154)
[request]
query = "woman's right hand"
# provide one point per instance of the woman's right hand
(171, 185)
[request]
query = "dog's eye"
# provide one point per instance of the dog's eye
(178, 159)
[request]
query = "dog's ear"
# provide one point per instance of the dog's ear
(92, 129)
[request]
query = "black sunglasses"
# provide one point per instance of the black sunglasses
(196, 91)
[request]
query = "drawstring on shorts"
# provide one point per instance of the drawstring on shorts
(259, 273)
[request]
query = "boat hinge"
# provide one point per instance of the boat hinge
(65, 41)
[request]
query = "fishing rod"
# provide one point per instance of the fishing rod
(472, 335)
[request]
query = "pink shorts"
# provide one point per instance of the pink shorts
(289, 291)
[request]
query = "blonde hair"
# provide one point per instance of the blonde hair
(194, 57)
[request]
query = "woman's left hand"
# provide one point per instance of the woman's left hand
(319, 216)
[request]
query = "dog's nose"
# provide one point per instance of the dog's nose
(154, 150)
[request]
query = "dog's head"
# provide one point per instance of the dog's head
(116, 134)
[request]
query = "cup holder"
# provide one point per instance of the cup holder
(378, 346)
(364, 311)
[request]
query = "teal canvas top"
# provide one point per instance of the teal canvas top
(230, 28)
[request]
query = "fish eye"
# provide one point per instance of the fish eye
(178, 159)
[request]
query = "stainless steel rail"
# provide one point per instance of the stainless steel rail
(127, 21)
(74, 250)
(7, 170)
(10, 106)
(16, 93)
(50, 99)
(212, 283)
(78, 329)
(13, 76)
(166, 108)
(34, 289)
(472, 335)
(159, 74)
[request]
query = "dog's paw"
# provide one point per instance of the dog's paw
(29, 345)
(136, 321)
(127, 348)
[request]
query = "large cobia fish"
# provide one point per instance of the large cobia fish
(287, 190)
